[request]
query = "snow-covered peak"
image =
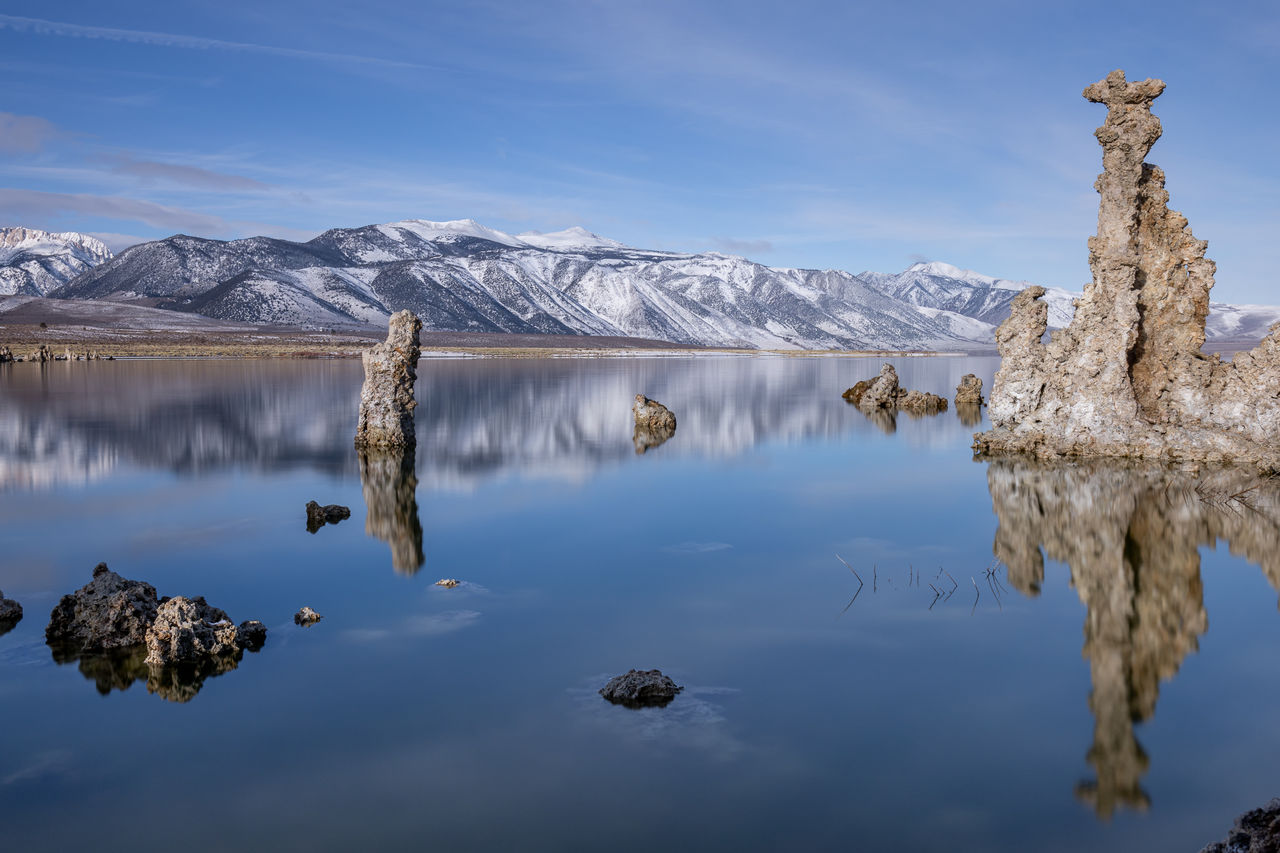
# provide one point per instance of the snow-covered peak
(453, 229)
(32, 242)
(570, 238)
(945, 270)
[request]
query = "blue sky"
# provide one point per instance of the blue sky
(813, 134)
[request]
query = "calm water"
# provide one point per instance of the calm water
(1110, 685)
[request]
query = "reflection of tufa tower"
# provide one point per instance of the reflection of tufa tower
(1131, 539)
(390, 496)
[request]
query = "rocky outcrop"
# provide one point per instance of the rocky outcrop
(306, 616)
(969, 391)
(318, 516)
(390, 486)
(883, 394)
(10, 614)
(1126, 377)
(188, 630)
(1131, 535)
(641, 689)
(1256, 831)
(386, 400)
(6, 355)
(655, 424)
(109, 612)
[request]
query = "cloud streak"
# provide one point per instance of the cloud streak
(40, 26)
(24, 134)
(187, 176)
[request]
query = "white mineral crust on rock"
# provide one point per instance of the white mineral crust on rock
(386, 400)
(1126, 377)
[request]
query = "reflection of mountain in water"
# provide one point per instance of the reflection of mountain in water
(390, 496)
(1130, 537)
(67, 424)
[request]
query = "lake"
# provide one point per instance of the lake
(1037, 657)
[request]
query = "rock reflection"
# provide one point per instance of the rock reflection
(1130, 536)
(970, 414)
(120, 668)
(646, 439)
(390, 484)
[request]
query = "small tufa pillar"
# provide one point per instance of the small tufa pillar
(386, 400)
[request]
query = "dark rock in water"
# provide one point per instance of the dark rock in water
(641, 689)
(109, 612)
(1256, 831)
(10, 614)
(6, 355)
(188, 630)
(306, 616)
(318, 516)
(969, 391)
(386, 399)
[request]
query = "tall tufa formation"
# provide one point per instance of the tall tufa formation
(386, 400)
(1126, 377)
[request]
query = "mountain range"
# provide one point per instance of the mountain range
(463, 276)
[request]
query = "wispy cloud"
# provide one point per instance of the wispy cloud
(59, 28)
(742, 247)
(697, 547)
(24, 134)
(25, 205)
(187, 176)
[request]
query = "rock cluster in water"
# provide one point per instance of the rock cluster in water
(111, 619)
(1255, 831)
(641, 689)
(318, 516)
(386, 400)
(882, 393)
(655, 423)
(10, 614)
(188, 630)
(1126, 377)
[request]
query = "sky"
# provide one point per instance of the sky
(811, 134)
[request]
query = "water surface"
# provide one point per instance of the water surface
(1029, 663)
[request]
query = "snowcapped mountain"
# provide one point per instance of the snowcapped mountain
(464, 276)
(32, 263)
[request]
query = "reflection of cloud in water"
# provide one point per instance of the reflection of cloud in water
(54, 762)
(697, 547)
(441, 623)
(1130, 535)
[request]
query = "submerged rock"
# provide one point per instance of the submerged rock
(109, 612)
(386, 400)
(188, 630)
(306, 616)
(1256, 831)
(318, 516)
(447, 583)
(969, 391)
(641, 689)
(10, 614)
(1126, 377)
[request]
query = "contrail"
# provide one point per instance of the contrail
(56, 28)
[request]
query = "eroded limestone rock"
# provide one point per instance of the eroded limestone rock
(969, 391)
(1126, 377)
(318, 516)
(386, 400)
(1255, 831)
(109, 612)
(655, 424)
(883, 394)
(6, 355)
(641, 689)
(189, 630)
